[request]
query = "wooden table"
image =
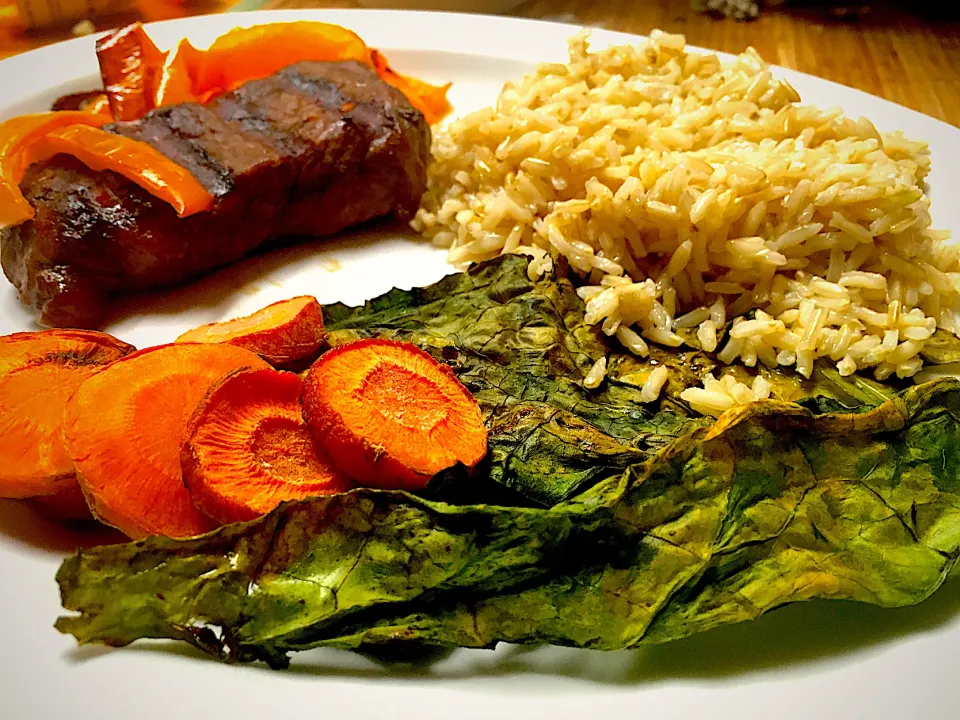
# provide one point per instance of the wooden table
(887, 52)
(903, 58)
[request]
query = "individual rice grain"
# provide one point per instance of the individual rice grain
(653, 384)
(596, 374)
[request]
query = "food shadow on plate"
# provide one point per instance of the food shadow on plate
(798, 638)
(24, 526)
(268, 264)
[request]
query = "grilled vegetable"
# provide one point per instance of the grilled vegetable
(642, 523)
(248, 449)
(390, 415)
(124, 428)
(281, 333)
(38, 374)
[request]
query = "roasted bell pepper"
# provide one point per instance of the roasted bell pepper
(33, 138)
(250, 53)
(17, 137)
(429, 99)
(138, 77)
(130, 67)
(245, 54)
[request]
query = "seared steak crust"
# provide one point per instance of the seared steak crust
(315, 148)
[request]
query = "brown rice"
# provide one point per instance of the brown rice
(688, 192)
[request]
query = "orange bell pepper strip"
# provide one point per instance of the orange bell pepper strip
(135, 160)
(177, 75)
(17, 136)
(245, 54)
(33, 138)
(429, 99)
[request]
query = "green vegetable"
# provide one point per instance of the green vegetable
(769, 507)
(522, 348)
(647, 524)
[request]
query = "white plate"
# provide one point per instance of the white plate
(825, 660)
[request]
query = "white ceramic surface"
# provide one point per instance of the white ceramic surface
(821, 660)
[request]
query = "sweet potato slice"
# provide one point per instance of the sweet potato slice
(124, 428)
(39, 371)
(248, 448)
(281, 333)
(390, 415)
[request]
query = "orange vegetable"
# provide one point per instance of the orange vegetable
(248, 448)
(429, 99)
(17, 138)
(281, 333)
(124, 428)
(245, 54)
(130, 67)
(39, 371)
(390, 415)
(176, 80)
(139, 77)
(135, 160)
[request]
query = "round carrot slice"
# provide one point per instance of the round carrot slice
(124, 428)
(281, 333)
(390, 415)
(248, 448)
(39, 371)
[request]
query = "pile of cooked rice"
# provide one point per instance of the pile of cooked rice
(690, 193)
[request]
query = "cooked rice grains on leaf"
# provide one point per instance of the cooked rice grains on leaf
(687, 191)
(721, 526)
(648, 523)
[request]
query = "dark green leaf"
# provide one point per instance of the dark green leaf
(768, 507)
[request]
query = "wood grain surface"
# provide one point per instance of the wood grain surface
(904, 57)
(909, 59)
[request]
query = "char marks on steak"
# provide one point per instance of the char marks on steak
(315, 148)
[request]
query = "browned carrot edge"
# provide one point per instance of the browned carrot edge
(282, 333)
(39, 372)
(124, 428)
(390, 415)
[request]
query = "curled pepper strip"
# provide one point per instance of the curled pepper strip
(137, 161)
(17, 138)
(33, 138)
(130, 66)
(138, 77)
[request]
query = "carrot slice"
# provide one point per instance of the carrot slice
(281, 333)
(124, 428)
(248, 448)
(390, 415)
(39, 371)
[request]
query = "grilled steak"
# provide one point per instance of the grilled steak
(315, 148)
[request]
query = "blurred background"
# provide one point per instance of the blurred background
(907, 52)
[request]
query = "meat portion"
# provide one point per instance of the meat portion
(315, 148)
